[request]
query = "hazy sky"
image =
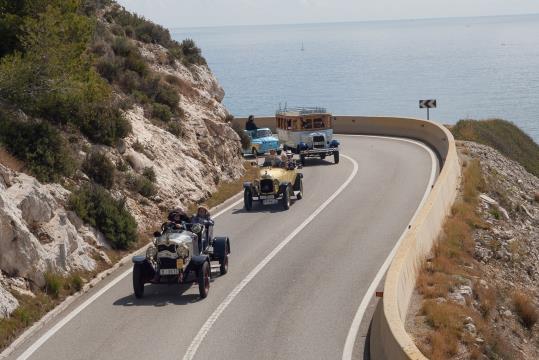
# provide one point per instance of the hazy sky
(191, 13)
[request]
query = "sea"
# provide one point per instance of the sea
(476, 68)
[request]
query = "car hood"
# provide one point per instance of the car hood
(266, 139)
(272, 173)
(176, 238)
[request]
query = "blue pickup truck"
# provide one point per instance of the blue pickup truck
(262, 141)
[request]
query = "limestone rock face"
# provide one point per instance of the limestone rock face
(37, 233)
(8, 303)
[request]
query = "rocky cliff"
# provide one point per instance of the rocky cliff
(39, 233)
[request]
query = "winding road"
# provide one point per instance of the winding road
(298, 281)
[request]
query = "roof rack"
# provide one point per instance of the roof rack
(300, 110)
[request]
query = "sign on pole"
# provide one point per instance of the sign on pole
(428, 104)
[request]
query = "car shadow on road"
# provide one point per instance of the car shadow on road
(318, 162)
(160, 295)
(259, 208)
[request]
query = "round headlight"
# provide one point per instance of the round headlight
(196, 228)
(151, 252)
(182, 250)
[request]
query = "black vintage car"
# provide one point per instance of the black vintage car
(181, 254)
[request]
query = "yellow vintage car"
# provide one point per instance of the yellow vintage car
(278, 181)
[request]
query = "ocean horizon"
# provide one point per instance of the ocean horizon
(475, 67)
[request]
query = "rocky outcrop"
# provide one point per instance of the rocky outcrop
(37, 233)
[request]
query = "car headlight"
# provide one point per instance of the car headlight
(151, 252)
(182, 250)
(196, 228)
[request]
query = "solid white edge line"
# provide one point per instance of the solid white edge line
(197, 341)
(356, 323)
(47, 335)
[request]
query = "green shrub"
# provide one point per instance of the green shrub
(39, 145)
(167, 95)
(161, 112)
(122, 46)
(74, 283)
(175, 128)
(129, 81)
(141, 185)
(191, 53)
(109, 68)
(99, 168)
(135, 62)
(53, 284)
(149, 173)
(95, 206)
(503, 136)
(122, 166)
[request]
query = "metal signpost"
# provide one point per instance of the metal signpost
(428, 104)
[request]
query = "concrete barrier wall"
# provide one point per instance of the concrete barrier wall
(389, 339)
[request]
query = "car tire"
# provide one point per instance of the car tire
(302, 160)
(138, 282)
(286, 198)
(248, 199)
(299, 196)
(336, 157)
(204, 276)
(223, 268)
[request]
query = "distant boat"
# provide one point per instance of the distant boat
(302, 48)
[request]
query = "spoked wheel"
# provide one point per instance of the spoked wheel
(286, 199)
(336, 157)
(248, 199)
(224, 265)
(204, 280)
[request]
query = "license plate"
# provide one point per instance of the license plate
(169, 271)
(269, 201)
(262, 197)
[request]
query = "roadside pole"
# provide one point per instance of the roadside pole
(428, 104)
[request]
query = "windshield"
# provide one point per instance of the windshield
(272, 162)
(263, 133)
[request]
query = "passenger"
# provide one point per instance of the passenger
(284, 161)
(271, 159)
(250, 124)
(202, 216)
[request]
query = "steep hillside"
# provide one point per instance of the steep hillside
(105, 122)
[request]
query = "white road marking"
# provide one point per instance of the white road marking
(195, 344)
(47, 335)
(354, 328)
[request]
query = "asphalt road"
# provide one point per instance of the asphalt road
(300, 305)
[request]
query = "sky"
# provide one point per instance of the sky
(194, 13)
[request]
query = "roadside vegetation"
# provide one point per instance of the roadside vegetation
(503, 136)
(463, 314)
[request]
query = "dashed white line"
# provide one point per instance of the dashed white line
(195, 344)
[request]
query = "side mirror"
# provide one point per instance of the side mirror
(156, 234)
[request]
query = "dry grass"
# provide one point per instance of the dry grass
(486, 296)
(226, 190)
(525, 309)
(11, 162)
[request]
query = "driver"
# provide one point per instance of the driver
(176, 219)
(271, 159)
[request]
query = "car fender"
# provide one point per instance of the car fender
(247, 185)
(283, 186)
(221, 247)
(148, 270)
(196, 263)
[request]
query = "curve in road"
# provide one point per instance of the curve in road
(299, 307)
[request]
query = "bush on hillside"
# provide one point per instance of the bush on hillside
(161, 112)
(503, 136)
(192, 53)
(149, 173)
(39, 145)
(95, 206)
(141, 185)
(99, 168)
